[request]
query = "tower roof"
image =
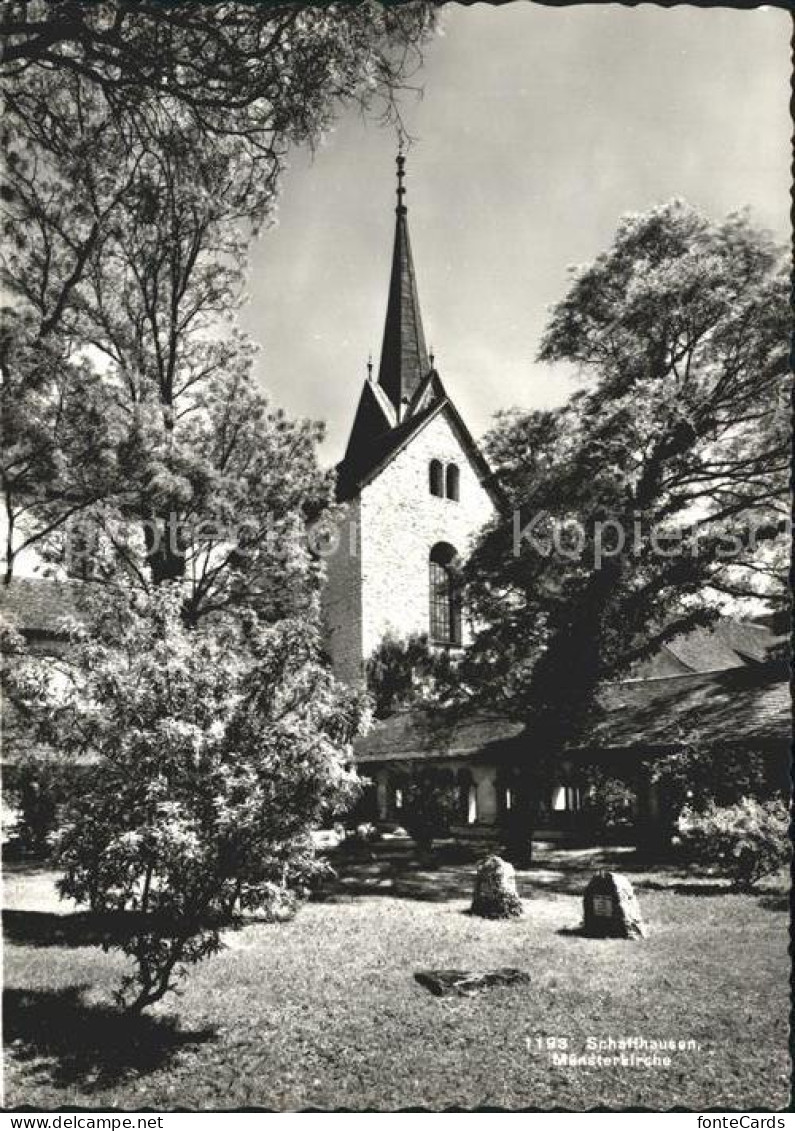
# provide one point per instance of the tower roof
(404, 357)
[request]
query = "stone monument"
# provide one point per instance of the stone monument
(495, 890)
(611, 908)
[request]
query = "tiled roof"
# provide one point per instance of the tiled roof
(737, 705)
(422, 734)
(717, 708)
(726, 644)
(39, 606)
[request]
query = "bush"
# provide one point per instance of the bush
(218, 751)
(747, 840)
(699, 774)
(430, 805)
(607, 805)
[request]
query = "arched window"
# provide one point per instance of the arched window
(453, 482)
(436, 478)
(445, 600)
(566, 799)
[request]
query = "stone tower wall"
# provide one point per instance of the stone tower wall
(400, 523)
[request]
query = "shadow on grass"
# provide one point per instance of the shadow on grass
(89, 1045)
(706, 889)
(402, 873)
(398, 883)
(776, 902)
(87, 928)
(82, 928)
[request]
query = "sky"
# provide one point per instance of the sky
(537, 129)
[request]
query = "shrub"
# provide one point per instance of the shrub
(746, 841)
(218, 752)
(403, 672)
(699, 774)
(607, 805)
(430, 805)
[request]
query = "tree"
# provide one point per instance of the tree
(698, 775)
(215, 750)
(659, 490)
(261, 72)
(219, 488)
(144, 148)
(607, 803)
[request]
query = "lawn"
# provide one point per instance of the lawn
(324, 1011)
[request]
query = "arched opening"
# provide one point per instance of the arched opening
(453, 482)
(445, 597)
(466, 791)
(472, 805)
(436, 478)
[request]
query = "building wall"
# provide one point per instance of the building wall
(401, 521)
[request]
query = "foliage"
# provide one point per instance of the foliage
(607, 803)
(430, 804)
(216, 752)
(748, 840)
(144, 146)
(264, 73)
(39, 789)
(401, 672)
(678, 442)
(699, 774)
(144, 432)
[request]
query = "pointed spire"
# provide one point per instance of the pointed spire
(404, 358)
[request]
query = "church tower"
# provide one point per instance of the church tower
(414, 487)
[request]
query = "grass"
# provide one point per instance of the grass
(324, 1011)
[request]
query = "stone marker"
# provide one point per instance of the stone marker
(495, 890)
(464, 983)
(611, 908)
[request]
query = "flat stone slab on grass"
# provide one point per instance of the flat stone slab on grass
(464, 983)
(495, 890)
(611, 908)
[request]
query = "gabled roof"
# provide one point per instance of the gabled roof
(741, 705)
(369, 458)
(374, 416)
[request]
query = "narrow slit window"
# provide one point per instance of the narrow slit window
(453, 477)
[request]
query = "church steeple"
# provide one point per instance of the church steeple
(404, 358)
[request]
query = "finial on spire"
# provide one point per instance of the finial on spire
(401, 165)
(431, 357)
(370, 366)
